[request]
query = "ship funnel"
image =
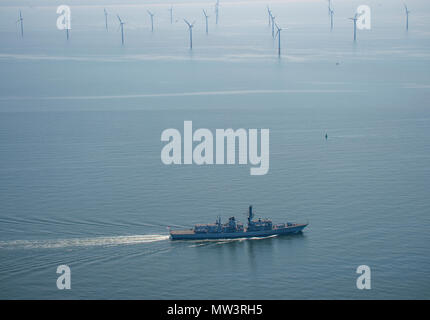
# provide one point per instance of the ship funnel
(250, 215)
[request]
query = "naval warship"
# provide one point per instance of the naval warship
(234, 229)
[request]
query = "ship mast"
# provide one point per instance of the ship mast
(218, 223)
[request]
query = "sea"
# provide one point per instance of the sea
(82, 183)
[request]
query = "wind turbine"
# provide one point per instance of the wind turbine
(121, 24)
(106, 15)
(152, 20)
(21, 21)
(216, 11)
(355, 25)
(190, 28)
(171, 14)
(206, 18)
(331, 18)
(407, 16)
(273, 25)
(278, 34)
(269, 13)
(67, 28)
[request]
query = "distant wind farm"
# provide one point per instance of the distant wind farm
(271, 18)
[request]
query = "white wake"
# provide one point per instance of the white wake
(82, 242)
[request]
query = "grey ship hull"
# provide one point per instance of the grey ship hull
(191, 235)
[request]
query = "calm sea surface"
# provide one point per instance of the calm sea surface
(82, 183)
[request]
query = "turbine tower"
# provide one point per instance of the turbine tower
(171, 14)
(206, 18)
(331, 19)
(216, 11)
(152, 20)
(190, 28)
(121, 25)
(67, 26)
(278, 34)
(21, 21)
(355, 25)
(106, 15)
(407, 16)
